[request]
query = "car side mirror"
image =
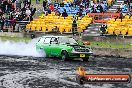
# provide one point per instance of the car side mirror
(86, 43)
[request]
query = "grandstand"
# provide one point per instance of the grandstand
(120, 28)
(51, 22)
(88, 14)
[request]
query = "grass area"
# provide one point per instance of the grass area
(110, 45)
(15, 39)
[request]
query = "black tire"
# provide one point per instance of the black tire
(41, 51)
(64, 56)
(86, 59)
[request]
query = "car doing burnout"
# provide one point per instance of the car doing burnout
(63, 46)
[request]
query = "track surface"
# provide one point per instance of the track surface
(32, 72)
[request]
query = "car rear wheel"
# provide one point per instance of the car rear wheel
(41, 52)
(64, 55)
(86, 59)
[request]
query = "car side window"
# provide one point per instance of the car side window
(41, 40)
(54, 40)
(63, 40)
(47, 40)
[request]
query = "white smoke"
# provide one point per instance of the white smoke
(20, 48)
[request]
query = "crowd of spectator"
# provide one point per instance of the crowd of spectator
(81, 7)
(12, 11)
(126, 6)
(22, 10)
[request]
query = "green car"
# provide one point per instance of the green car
(64, 47)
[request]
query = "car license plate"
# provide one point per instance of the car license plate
(82, 55)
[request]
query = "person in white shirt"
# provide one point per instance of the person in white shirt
(28, 12)
(121, 6)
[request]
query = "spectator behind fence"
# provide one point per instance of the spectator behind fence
(1, 13)
(49, 11)
(103, 30)
(18, 4)
(44, 4)
(121, 16)
(51, 7)
(74, 26)
(28, 12)
(64, 14)
(57, 13)
(1, 23)
(99, 8)
(33, 10)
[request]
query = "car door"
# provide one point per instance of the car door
(47, 46)
(55, 47)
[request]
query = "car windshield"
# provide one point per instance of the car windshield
(67, 40)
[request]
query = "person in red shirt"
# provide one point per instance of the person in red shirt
(51, 7)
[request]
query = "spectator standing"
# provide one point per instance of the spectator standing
(121, 6)
(28, 14)
(121, 16)
(1, 23)
(102, 29)
(51, 7)
(64, 14)
(49, 1)
(13, 23)
(18, 4)
(1, 13)
(29, 2)
(17, 13)
(49, 11)
(44, 4)
(74, 26)
(100, 8)
(57, 13)
(33, 10)
(5, 5)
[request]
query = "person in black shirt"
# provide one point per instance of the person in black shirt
(1, 23)
(1, 13)
(49, 11)
(74, 26)
(121, 16)
(44, 4)
(5, 4)
(64, 14)
(102, 29)
(100, 8)
(62, 5)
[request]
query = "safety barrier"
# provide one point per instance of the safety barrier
(103, 17)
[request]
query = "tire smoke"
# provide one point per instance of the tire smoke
(20, 48)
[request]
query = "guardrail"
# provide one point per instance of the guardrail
(103, 17)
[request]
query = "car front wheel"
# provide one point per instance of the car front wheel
(64, 55)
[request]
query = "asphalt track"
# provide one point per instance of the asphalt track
(35, 72)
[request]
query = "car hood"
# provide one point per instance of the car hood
(76, 46)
